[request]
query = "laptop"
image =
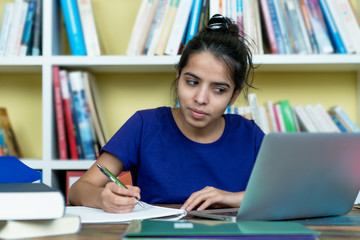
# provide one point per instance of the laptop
(299, 175)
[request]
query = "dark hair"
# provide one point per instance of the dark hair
(222, 38)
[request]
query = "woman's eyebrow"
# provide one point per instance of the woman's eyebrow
(214, 83)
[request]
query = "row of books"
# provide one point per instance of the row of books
(20, 33)
(80, 27)
(162, 27)
(80, 124)
(9, 146)
(281, 116)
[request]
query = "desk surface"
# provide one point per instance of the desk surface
(335, 230)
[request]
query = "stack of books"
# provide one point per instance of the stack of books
(281, 116)
(162, 27)
(20, 33)
(81, 127)
(80, 27)
(33, 210)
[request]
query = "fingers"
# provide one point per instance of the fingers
(118, 199)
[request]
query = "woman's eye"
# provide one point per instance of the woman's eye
(191, 82)
(219, 90)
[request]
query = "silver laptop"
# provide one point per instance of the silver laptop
(299, 175)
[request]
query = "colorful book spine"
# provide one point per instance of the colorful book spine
(26, 36)
(269, 27)
(334, 33)
(283, 26)
(276, 26)
(287, 116)
(83, 116)
(73, 27)
(60, 122)
(344, 118)
(70, 128)
(193, 20)
(309, 28)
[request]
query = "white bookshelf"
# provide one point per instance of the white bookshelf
(162, 64)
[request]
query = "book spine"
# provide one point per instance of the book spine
(269, 27)
(338, 123)
(5, 26)
(321, 32)
(270, 109)
(326, 119)
(345, 119)
(252, 98)
(213, 7)
(193, 20)
(89, 27)
(64, 82)
(288, 116)
(240, 15)
(334, 33)
(37, 28)
(303, 27)
(276, 26)
(73, 27)
(304, 121)
(179, 27)
(204, 14)
(60, 123)
(84, 122)
(27, 28)
(280, 118)
(283, 26)
(309, 28)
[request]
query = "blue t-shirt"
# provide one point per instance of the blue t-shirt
(168, 167)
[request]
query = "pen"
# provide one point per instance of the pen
(111, 176)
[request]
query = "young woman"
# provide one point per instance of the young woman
(194, 154)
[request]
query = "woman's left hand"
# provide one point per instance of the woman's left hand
(210, 196)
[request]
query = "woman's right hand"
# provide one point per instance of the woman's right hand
(117, 199)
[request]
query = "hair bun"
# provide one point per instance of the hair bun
(219, 23)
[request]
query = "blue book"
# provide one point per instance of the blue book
(73, 27)
(193, 20)
(26, 37)
(282, 23)
(276, 26)
(35, 43)
(83, 115)
(334, 32)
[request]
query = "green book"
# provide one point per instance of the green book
(288, 116)
(210, 228)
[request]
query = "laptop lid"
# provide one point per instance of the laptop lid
(301, 175)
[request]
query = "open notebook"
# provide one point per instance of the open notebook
(300, 175)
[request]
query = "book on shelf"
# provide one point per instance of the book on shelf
(35, 48)
(204, 14)
(179, 27)
(68, 114)
(252, 25)
(89, 28)
(59, 113)
(28, 26)
(309, 28)
(280, 13)
(345, 120)
(6, 26)
(255, 111)
(30, 201)
(73, 27)
(193, 20)
(8, 141)
(82, 114)
(305, 123)
(288, 116)
(19, 229)
(268, 26)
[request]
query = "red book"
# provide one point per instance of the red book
(277, 119)
(70, 128)
(60, 123)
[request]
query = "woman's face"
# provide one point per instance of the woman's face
(204, 90)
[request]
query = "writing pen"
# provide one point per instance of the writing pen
(111, 176)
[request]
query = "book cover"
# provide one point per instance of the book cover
(59, 113)
(309, 28)
(341, 26)
(30, 201)
(82, 113)
(95, 108)
(159, 23)
(305, 123)
(321, 33)
(73, 27)
(26, 35)
(139, 24)
(69, 121)
(17, 26)
(315, 118)
(344, 118)
(36, 43)
(16, 229)
(268, 26)
(287, 114)
(350, 22)
(166, 28)
(179, 27)
(333, 29)
(6, 26)
(283, 25)
(9, 135)
(89, 27)
(326, 119)
(193, 20)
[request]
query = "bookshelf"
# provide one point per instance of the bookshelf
(129, 83)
